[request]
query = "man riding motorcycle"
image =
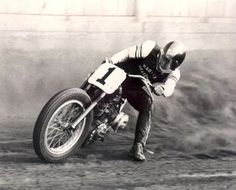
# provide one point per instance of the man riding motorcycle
(159, 65)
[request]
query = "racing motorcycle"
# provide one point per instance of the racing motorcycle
(77, 117)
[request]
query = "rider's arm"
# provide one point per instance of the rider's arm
(170, 82)
(134, 52)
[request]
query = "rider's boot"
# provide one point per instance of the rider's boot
(141, 135)
(137, 152)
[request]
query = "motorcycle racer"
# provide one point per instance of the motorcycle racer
(159, 65)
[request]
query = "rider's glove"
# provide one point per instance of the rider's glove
(107, 60)
(159, 90)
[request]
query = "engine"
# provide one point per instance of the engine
(109, 107)
(108, 111)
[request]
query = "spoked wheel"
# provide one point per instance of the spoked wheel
(54, 139)
(59, 136)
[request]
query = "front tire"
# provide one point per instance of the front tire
(53, 138)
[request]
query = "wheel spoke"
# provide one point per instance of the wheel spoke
(51, 143)
(59, 136)
(58, 142)
(52, 132)
(53, 126)
(56, 135)
(66, 137)
(74, 113)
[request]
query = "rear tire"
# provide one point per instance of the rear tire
(53, 139)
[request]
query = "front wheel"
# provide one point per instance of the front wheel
(54, 139)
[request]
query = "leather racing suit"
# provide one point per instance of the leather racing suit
(143, 59)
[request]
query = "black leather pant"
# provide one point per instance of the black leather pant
(141, 101)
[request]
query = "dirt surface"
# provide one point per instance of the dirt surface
(105, 165)
(193, 136)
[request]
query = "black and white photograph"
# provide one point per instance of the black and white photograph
(117, 94)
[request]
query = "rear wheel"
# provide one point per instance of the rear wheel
(54, 139)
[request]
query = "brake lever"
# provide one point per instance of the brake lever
(153, 90)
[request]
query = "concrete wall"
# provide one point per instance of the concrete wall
(48, 45)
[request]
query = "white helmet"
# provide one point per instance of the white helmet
(171, 56)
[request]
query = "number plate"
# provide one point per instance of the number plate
(108, 77)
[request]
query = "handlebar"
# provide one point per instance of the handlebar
(147, 83)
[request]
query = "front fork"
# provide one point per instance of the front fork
(88, 109)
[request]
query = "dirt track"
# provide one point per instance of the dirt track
(106, 166)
